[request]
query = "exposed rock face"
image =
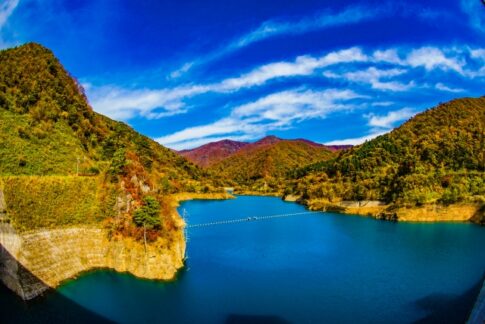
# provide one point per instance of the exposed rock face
(426, 213)
(361, 203)
(437, 213)
(33, 262)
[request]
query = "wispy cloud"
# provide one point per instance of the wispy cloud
(124, 104)
(302, 66)
(276, 111)
(431, 58)
(275, 28)
(356, 140)
(374, 77)
(384, 70)
(440, 86)
(6, 9)
(389, 120)
(323, 20)
(380, 125)
(478, 53)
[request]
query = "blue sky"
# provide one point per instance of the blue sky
(190, 72)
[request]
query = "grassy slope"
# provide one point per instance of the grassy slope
(46, 202)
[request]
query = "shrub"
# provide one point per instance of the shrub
(148, 215)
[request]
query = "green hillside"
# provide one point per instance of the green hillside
(263, 167)
(47, 126)
(49, 131)
(437, 156)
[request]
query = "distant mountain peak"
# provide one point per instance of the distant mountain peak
(212, 153)
(270, 139)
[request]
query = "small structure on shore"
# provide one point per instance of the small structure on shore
(229, 190)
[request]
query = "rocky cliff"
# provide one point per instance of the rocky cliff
(31, 263)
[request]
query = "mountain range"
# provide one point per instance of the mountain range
(211, 153)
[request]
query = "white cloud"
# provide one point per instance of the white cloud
(327, 19)
(382, 103)
(440, 86)
(478, 53)
(307, 24)
(272, 28)
(350, 64)
(431, 58)
(302, 66)
(124, 104)
(356, 140)
(6, 9)
(373, 76)
(387, 121)
(273, 112)
(380, 126)
(119, 103)
(177, 73)
(388, 56)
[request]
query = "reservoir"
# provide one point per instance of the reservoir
(307, 268)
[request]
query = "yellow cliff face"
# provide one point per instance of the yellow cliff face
(52, 256)
(437, 213)
(424, 213)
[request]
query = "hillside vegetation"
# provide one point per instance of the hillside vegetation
(436, 157)
(47, 202)
(262, 166)
(49, 131)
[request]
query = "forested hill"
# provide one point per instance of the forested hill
(437, 156)
(262, 166)
(212, 153)
(48, 128)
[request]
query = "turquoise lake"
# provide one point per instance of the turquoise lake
(312, 268)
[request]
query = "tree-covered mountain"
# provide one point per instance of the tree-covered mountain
(437, 156)
(47, 129)
(262, 165)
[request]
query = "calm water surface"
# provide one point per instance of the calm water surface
(314, 268)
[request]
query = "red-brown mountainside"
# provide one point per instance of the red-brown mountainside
(263, 164)
(212, 153)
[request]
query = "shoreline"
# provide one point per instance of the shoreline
(431, 213)
(44, 259)
(428, 213)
